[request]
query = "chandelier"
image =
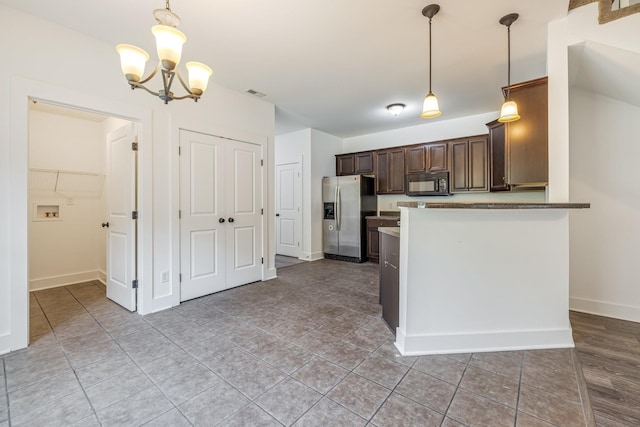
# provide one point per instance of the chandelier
(169, 41)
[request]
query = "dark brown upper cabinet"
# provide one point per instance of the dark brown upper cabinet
(354, 164)
(389, 167)
(525, 161)
(469, 164)
(427, 158)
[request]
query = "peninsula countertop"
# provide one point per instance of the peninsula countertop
(492, 205)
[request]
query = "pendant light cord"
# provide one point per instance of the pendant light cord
(429, 55)
(508, 62)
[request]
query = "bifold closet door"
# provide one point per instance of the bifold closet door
(221, 221)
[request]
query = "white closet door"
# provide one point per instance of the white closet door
(202, 235)
(121, 232)
(243, 207)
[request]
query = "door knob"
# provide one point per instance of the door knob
(277, 214)
(231, 220)
(221, 220)
(105, 224)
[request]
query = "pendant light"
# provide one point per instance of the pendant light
(509, 110)
(430, 108)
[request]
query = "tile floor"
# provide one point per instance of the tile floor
(306, 349)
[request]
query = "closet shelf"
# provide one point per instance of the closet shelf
(69, 184)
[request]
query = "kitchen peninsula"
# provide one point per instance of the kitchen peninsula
(483, 277)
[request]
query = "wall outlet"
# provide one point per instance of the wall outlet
(165, 276)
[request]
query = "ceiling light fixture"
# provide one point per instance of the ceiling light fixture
(169, 41)
(430, 108)
(509, 110)
(395, 109)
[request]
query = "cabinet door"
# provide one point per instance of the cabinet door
(373, 243)
(382, 172)
(415, 159)
(477, 178)
(396, 171)
(497, 157)
(437, 160)
(363, 163)
(527, 138)
(459, 166)
(345, 164)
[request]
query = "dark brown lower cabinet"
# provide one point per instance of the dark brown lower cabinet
(390, 280)
(373, 236)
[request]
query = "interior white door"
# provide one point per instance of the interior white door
(221, 214)
(288, 209)
(203, 221)
(243, 206)
(121, 202)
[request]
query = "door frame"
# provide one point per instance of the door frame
(298, 189)
(24, 91)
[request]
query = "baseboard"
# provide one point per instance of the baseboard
(417, 345)
(67, 279)
(102, 276)
(607, 309)
(311, 256)
(5, 343)
(269, 274)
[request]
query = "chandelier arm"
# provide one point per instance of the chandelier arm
(138, 85)
(190, 95)
(153, 73)
(184, 85)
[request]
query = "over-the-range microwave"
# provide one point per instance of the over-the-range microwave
(428, 184)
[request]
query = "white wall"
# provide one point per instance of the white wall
(324, 147)
(603, 153)
(605, 272)
(318, 150)
(483, 280)
(67, 249)
(86, 72)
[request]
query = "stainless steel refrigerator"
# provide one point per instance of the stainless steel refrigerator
(347, 200)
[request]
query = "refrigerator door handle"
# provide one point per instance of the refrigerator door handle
(338, 208)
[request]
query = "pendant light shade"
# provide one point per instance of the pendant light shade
(430, 108)
(169, 41)
(132, 61)
(509, 110)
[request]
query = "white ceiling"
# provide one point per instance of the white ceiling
(334, 65)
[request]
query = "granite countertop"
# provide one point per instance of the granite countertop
(392, 231)
(493, 205)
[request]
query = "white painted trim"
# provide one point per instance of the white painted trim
(312, 256)
(102, 276)
(607, 309)
(22, 92)
(416, 345)
(63, 280)
(270, 273)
